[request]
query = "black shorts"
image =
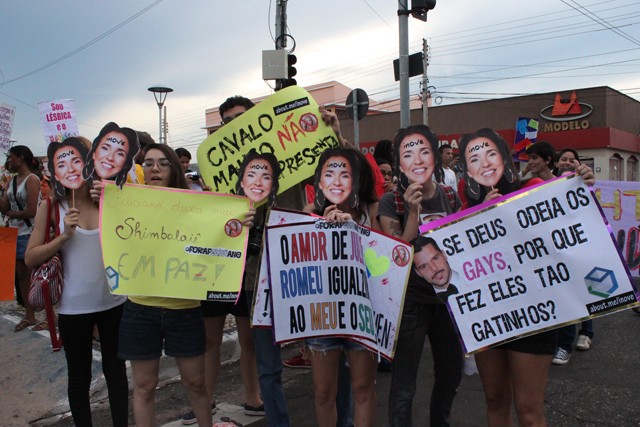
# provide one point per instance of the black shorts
(542, 343)
(217, 308)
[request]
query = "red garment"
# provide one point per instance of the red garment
(378, 178)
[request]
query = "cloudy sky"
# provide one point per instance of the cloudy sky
(105, 55)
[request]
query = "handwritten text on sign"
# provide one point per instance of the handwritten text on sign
(173, 243)
(336, 280)
(620, 201)
(535, 261)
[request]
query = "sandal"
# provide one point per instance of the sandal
(40, 326)
(23, 324)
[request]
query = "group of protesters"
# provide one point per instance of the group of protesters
(417, 181)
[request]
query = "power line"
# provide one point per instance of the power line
(84, 46)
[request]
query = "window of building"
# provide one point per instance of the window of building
(615, 167)
(632, 168)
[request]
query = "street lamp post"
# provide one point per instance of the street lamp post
(160, 94)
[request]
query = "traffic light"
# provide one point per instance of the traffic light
(419, 8)
(291, 71)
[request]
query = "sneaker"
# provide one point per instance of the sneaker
(190, 418)
(253, 411)
(583, 343)
(297, 362)
(562, 357)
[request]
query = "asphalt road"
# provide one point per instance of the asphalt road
(598, 387)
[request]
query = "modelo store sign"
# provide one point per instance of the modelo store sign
(566, 114)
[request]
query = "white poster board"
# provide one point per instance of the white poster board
(537, 260)
(58, 120)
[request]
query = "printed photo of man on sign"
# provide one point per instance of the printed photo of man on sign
(542, 259)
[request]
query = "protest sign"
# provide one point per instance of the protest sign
(286, 124)
(539, 259)
(620, 203)
(526, 134)
(337, 280)
(7, 113)
(8, 241)
(261, 307)
(174, 243)
(58, 120)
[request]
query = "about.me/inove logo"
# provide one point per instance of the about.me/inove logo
(601, 282)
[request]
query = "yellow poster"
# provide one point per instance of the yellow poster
(287, 124)
(173, 243)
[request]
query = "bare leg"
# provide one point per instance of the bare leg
(23, 273)
(324, 370)
(192, 376)
(214, 327)
(493, 366)
(145, 380)
(529, 374)
(363, 366)
(248, 366)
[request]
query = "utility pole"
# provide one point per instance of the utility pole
(281, 30)
(425, 83)
(403, 65)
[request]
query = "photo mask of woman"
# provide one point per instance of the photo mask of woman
(416, 155)
(258, 177)
(336, 179)
(112, 154)
(66, 161)
(487, 164)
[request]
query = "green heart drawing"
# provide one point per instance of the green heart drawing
(377, 265)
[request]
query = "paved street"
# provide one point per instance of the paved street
(597, 388)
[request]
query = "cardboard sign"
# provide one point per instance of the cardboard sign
(167, 242)
(286, 124)
(7, 113)
(620, 203)
(539, 259)
(58, 120)
(337, 280)
(8, 242)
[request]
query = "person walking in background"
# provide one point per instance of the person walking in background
(19, 204)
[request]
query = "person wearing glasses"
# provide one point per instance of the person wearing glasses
(151, 323)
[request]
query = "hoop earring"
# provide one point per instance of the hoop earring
(354, 200)
(473, 188)
(319, 200)
(509, 175)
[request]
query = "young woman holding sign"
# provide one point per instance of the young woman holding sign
(424, 315)
(86, 301)
(151, 323)
(516, 371)
(343, 191)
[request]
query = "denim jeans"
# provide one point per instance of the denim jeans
(269, 364)
(567, 334)
(418, 322)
